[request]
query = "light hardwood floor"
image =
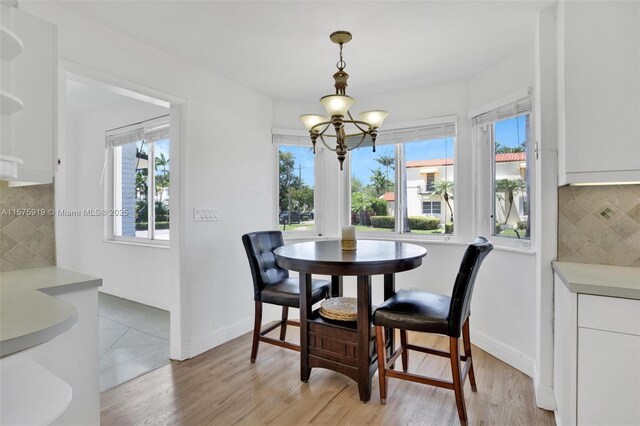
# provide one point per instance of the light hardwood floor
(221, 387)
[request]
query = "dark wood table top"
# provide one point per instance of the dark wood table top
(371, 258)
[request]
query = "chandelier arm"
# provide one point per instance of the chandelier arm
(319, 125)
(355, 123)
(325, 143)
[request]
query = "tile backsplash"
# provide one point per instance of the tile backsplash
(27, 238)
(599, 224)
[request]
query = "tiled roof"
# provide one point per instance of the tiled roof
(511, 156)
(430, 163)
(500, 158)
(389, 196)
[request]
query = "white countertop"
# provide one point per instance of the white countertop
(600, 280)
(29, 315)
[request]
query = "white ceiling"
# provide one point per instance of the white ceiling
(282, 49)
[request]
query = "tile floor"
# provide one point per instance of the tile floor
(134, 339)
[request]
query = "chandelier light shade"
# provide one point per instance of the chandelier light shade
(337, 107)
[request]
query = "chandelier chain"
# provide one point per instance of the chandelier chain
(341, 64)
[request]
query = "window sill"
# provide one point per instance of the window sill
(497, 241)
(160, 245)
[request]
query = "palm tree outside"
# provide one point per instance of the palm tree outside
(443, 188)
(509, 187)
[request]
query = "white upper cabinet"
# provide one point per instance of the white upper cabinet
(29, 99)
(599, 92)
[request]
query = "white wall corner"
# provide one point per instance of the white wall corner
(505, 353)
(217, 337)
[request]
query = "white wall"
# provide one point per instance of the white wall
(504, 315)
(226, 133)
(139, 273)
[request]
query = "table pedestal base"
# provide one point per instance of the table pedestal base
(334, 345)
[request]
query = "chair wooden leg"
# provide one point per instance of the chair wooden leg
(467, 352)
(457, 380)
(382, 360)
(405, 351)
(283, 325)
(256, 331)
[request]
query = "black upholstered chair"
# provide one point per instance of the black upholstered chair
(427, 312)
(271, 284)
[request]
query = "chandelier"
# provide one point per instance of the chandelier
(337, 107)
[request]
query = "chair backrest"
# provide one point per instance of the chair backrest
(465, 280)
(264, 269)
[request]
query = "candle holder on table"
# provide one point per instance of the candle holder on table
(349, 242)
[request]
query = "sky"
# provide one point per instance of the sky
(510, 132)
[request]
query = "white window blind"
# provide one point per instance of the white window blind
(149, 131)
(416, 134)
(291, 138)
(430, 129)
(513, 109)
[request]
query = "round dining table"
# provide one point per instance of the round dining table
(347, 347)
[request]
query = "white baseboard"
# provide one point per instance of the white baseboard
(545, 398)
(503, 352)
(136, 298)
(217, 337)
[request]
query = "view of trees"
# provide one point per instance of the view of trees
(161, 186)
(294, 194)
(444, 188)
(365, 198)
(503, 149)
(510, 188)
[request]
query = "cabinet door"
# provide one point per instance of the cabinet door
(601, 92)
(34, 80)
(608, 378)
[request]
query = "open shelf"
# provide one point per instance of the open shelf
(9, 103)
(10, 44)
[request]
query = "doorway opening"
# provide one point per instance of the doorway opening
(118, 169)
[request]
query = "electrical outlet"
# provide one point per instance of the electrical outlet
(205, 215)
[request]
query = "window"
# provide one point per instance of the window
(141, 172)
(373, 187)
(409, 177)
(505, 131)
(429, 181)
(296, 195)
(431, 207)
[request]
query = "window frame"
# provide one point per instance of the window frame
(286, 137)
(111, 194)
(401, 182)
(484, 141)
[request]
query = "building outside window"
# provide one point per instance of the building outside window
(141, 178)
(411, 169)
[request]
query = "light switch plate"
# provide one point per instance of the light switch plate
(205, 215)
